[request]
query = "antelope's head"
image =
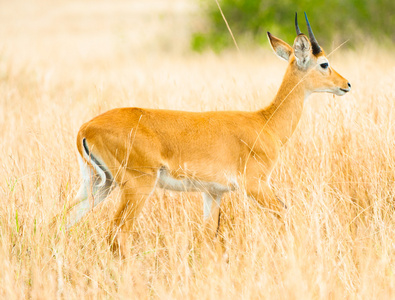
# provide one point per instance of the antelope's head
(308, 62)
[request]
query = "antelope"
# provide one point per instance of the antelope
(213, 152)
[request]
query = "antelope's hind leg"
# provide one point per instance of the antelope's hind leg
(135, 189)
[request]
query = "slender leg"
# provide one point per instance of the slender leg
(257, 187)
(211, 213)
(135, 190)
(263, 194)
(211, 216)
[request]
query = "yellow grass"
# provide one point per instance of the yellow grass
(63, 63)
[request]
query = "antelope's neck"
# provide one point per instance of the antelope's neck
(283, 114)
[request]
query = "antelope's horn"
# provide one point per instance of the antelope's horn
(296, 24)
(316, 47)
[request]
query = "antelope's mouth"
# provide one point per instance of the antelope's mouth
(345, 90)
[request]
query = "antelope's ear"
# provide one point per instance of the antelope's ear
(302, 50)
(281, 48)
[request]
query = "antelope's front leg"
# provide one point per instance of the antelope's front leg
(212, 218)
(211, 213)
(263, 194)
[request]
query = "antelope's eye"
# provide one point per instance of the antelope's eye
(324, 65)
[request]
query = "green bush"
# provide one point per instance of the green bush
(353, 20)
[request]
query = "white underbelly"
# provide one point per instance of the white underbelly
(166, 181)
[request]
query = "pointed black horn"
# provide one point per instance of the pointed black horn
(314, 44)
(296, 24)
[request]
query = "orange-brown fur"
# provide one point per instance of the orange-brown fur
(230, 148)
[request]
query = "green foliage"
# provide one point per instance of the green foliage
(352, 20)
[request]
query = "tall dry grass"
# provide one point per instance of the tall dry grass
(63, 63)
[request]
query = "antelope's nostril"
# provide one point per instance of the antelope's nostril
(349, 85)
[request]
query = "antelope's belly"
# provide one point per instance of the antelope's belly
(166, 181)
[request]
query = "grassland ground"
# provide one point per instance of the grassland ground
(63, 63)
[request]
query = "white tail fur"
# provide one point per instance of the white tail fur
(96, 180)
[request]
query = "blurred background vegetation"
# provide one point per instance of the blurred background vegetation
(332, 21)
